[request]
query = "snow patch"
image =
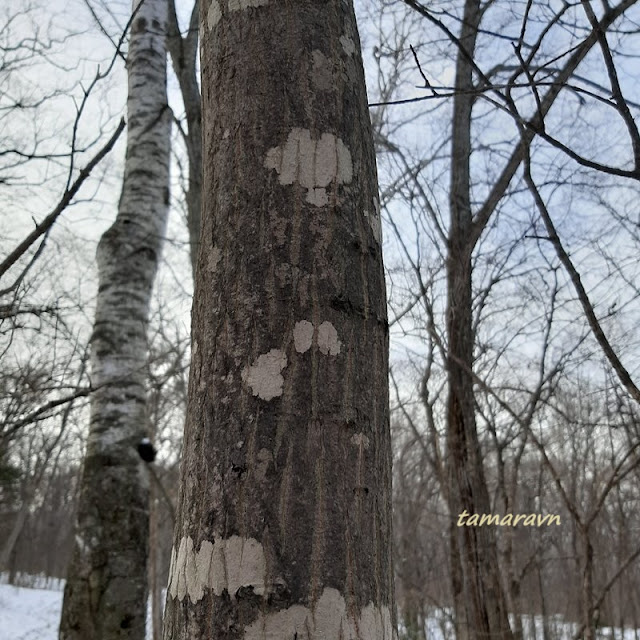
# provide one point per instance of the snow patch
(264, 376)
(33, 613)
(29, 614)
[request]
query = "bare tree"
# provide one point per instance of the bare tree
(488, 100)
(35, 159)
(184, 57)
(284, 524)
(106, 589)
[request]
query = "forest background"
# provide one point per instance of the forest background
(547, 148)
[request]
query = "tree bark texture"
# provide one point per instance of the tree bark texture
(106, 591)
(284, 524)
(485, 611)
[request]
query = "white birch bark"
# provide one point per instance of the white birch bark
(106, 591)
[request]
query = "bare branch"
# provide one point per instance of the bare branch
(64, 202)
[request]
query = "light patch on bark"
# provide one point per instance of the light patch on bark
(178, 586)
(142, 472)
(264, 375)
(239, 5)
(221, 565)
(321, 71)
(264, 459)
(215, 256)
(375, 221)
(82, 547)
(279, 225)
(318, 197)
(348, 45)
(214, 14)
(360, 440)
(106, 440)
(314, 164)
(111, 368)
(328, 342)
(327, 337)
(116, 365)
(328, 619)
(172, 567)
(303, 336)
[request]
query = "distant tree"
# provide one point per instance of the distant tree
(184, 58)
(50, 153)
(32, 157)
(38, 452)
(106, 590)
(510, 219)
(284, 522)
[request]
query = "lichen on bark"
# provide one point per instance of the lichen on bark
(287, 437)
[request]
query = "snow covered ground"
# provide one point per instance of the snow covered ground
(29, 614)
(32, 613)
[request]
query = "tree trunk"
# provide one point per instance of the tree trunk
(184, 55)
(155, 586)
(513, 580)
(284, 524)
(462, 631)
(546, 632)
(588, 613)
(106, 591)
(485, 602)
(14, 533)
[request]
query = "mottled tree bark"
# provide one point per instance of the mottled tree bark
(284, 524)
(481, 604)
(106, 591)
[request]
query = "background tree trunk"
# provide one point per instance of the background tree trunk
(485, 613)
(106, 591)
(155, 586)
(284, 524)
(9, 545)
(184, 56)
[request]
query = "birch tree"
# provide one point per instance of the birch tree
(284, 524)
(106, 590)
